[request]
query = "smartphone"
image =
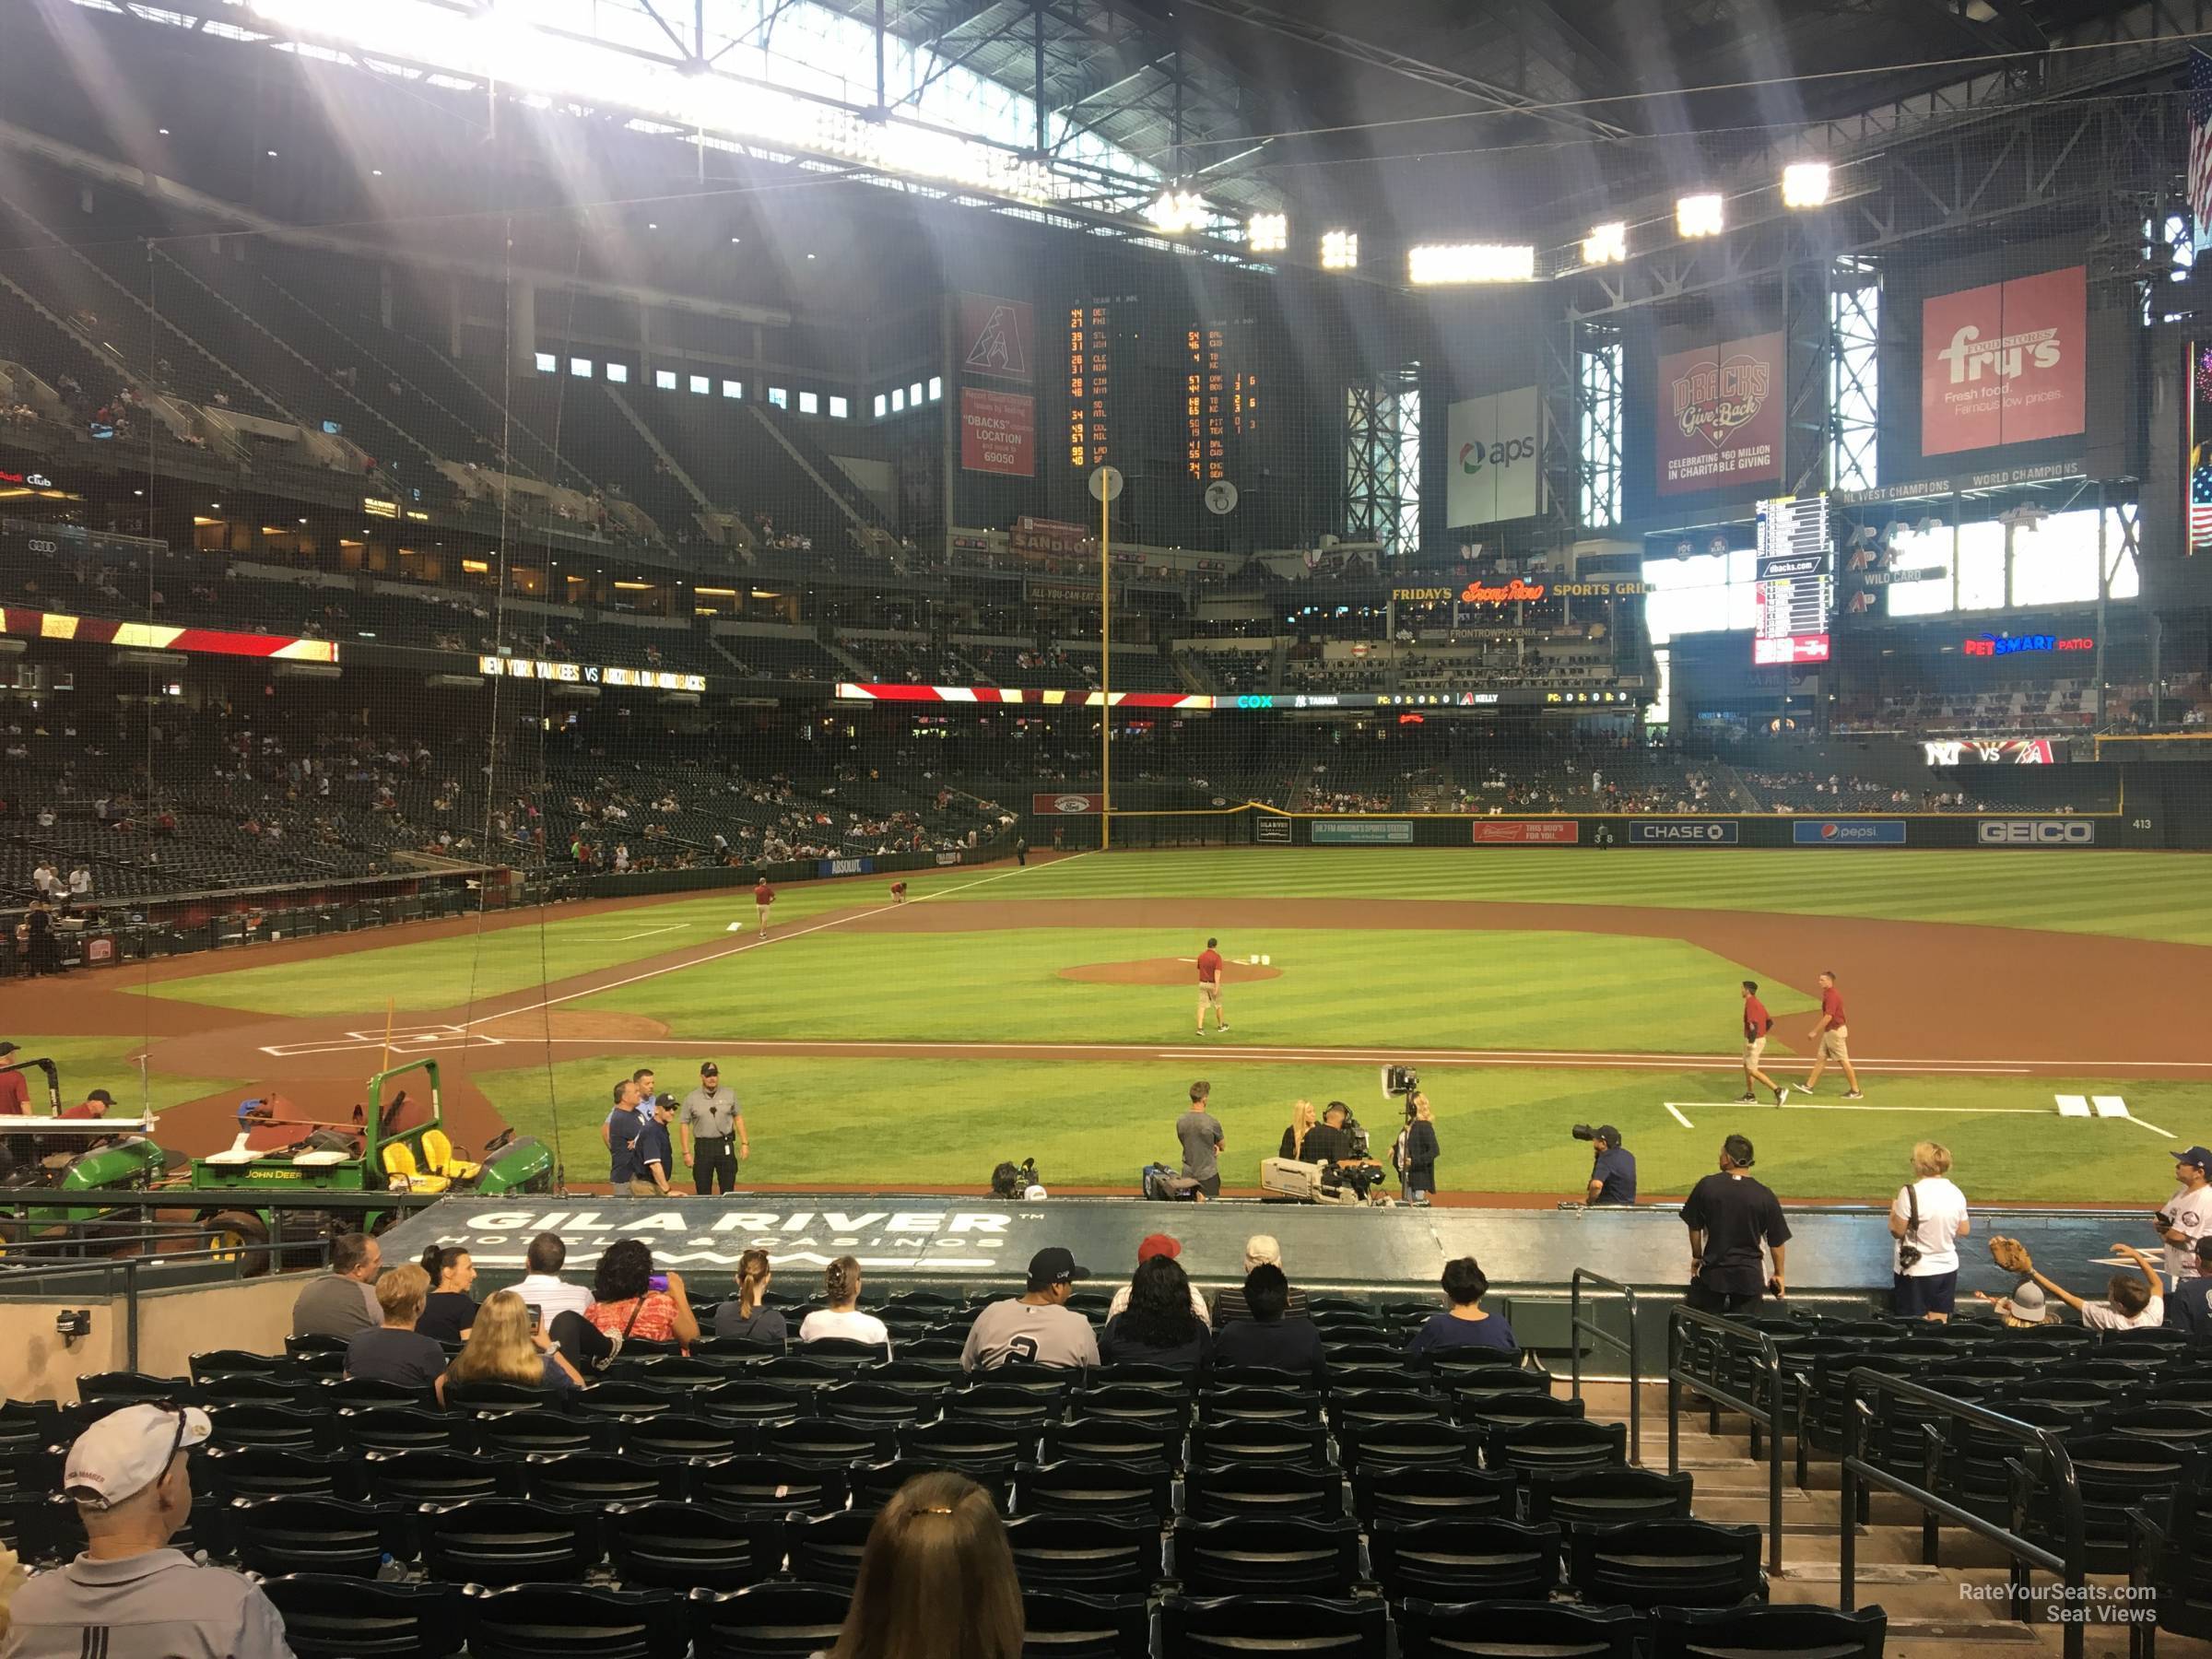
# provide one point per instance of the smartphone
(538, 1314)
(659, 1281)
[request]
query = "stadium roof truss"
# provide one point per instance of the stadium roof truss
(1071, 111)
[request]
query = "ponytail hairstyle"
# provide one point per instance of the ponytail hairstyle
(936, 1578)
(841, 1281)
(752, 1281)
(440, 1260)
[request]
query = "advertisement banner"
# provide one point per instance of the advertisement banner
(1532, 833)
(1494, 444)
(998, 433)
(1363, 833)
(1720, 414)
(1052, 536)
(1270, 830)
(995, 336)
(2035, 832)
(827, 867)
(2004, 364)
(1848, 832)
(1991, 751)
(1065, 803)
(1678, 833)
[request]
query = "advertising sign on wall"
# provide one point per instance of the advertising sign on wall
(1493, 458)
(1533, 832)
(1065, 803)
(1990, 751)
(1682, 833)
(995, 336)
(1720, 414)
(2004, 364)
(1271, 831)
(1848, 832)
(998, 433)
(2035, 832)
(1363, 833)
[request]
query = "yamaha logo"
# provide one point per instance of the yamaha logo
(2035, 832)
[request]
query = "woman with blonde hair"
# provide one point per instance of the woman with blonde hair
(395, 1351)
(1927, 1221)
(936, 1578)
(745, 1320)
(841, 1320)
(1416, 1151)
(504, 1346)
(1294, 1137)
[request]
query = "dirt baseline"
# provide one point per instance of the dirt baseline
(1165, 970)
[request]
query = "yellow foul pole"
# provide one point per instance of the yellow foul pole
(1105, 671)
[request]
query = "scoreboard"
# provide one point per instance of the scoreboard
(1796, 581)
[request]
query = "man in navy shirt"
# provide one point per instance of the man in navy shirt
(2189, 1304)
(1613, 1171)
(649, 1150)
(619, 1134)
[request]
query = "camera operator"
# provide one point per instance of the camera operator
(1330, 1142)
(1612, 1167)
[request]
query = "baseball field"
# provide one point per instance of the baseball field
(1047, 1012)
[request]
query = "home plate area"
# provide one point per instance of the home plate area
(2068, 1106)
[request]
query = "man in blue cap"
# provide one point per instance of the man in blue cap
(2187, 1216)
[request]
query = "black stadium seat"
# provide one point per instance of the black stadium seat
(1466, 1561)
(1484, 1629)
(506, 1541)
(276, 1535)
(1062, 1625)
(1666, 1563)
(691, 1547)
(767, 1621)
(1088, 1553)
(1251, 1555)
(1234, 1626)
(1600, 1497)
(327, 1618)
(568, 1621)
(1778, 1632)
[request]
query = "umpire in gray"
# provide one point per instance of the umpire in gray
(713, 1126)
(129, 1596)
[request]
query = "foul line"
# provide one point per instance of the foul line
(756, 940)
(1677, 1115)
(648, 934)
(1863, 1106)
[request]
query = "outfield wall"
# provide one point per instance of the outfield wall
(1260, 827)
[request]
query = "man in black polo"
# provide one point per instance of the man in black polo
(1730, 1216)
(1612, 1169)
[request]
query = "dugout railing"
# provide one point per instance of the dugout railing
(1579, 1327)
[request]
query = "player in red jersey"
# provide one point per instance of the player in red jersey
(1209, 987)
(1758, 1022)
(1831, 1040)
(763, 896)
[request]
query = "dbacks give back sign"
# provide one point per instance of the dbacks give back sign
(1720, 414)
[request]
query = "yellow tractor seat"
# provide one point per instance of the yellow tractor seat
(438, 1156)
(403, 1174)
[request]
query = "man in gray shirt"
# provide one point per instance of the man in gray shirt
(129, 1596)
(1200, 1132)
(713, 1125)
(340, 1302)
(1037, 1328)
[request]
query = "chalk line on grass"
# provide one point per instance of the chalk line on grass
(648, 934)
(1677, 1112)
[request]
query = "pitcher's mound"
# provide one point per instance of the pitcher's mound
(575, 1025)
(1165, 970)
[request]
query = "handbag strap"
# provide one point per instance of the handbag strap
(1912, 1210)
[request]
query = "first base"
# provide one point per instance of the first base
(735, 927)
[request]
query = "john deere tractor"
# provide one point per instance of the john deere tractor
(53, 1169)
(254, 1200)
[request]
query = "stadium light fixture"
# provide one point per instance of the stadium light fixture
(1471, 262)
(1605, 244)
(1268, 232)
(1340, 251)
(1702, 214)
(1176, 211)
(1804, 184)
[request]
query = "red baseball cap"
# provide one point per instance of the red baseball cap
(1158, 1244)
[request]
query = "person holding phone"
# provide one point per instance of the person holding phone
(506, 1345)
(629, 1300)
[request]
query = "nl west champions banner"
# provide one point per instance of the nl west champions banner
(1720, 414)
(2004, 364)
(1491, 464)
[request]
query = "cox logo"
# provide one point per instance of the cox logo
(2035, 832)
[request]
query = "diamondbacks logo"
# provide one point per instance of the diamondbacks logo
(1713, 398)
(999, 347)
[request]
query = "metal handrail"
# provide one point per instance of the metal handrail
(1680, 1323)
(2070, 1566)
(1577, 1327)
(15, 1204)
(129, 1267)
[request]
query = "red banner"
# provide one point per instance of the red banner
(160, 636)
(1066, 804)
(1546, 832)
(1721, 414)
(2004, 363)
(995, 336)
(998, 433)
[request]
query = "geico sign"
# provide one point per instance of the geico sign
(2035, 832)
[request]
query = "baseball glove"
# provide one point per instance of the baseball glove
(2010, 1254)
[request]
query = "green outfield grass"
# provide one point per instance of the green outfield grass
(946, 1123)
(90, 1062)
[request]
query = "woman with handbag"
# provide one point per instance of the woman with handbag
(1927, 1221)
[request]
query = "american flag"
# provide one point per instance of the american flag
(2200, 149)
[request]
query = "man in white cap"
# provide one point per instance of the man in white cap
(129, 1596)
(1229, 1304)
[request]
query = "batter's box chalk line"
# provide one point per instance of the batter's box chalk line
(2105, 1106)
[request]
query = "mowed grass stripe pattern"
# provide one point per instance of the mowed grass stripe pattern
(2128, 895)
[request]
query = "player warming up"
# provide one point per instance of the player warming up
(1831, 1040)
(764, 896)
(1209, 987)
(1758, 1022)
(898, 892)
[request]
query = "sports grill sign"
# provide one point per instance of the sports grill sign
(1682, 833)
(2004, 364)
(2035, 832)
(1066, 805)
(1720, 415)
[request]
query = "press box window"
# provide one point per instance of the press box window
(665, 379)
(548, 363)
(810, 402)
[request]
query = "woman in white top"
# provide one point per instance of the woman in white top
(842, 1318)
(1928, 1219)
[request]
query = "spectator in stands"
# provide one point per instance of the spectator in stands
(1265, 1338)
(2130, 1301)
(625, 1303)
(937, 1580)
(2024, 1310)
(543, 1288)
(1928, 1219)
(2186, 1216)
(1157, 1244)
(80, 882)
(128, 1594)
(1612, 1169)
(339, 1303)
(1037, 1327)
(449, 1310)
(1230, 1303)
(748, 1319)
(394, 1351)
(1301, 1125)
(840, 1319)
(1414, 1153)
(505, 1347)
(2189, 1308)
(1730, 1216)
(1464, 1323)
(1159, 1327)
